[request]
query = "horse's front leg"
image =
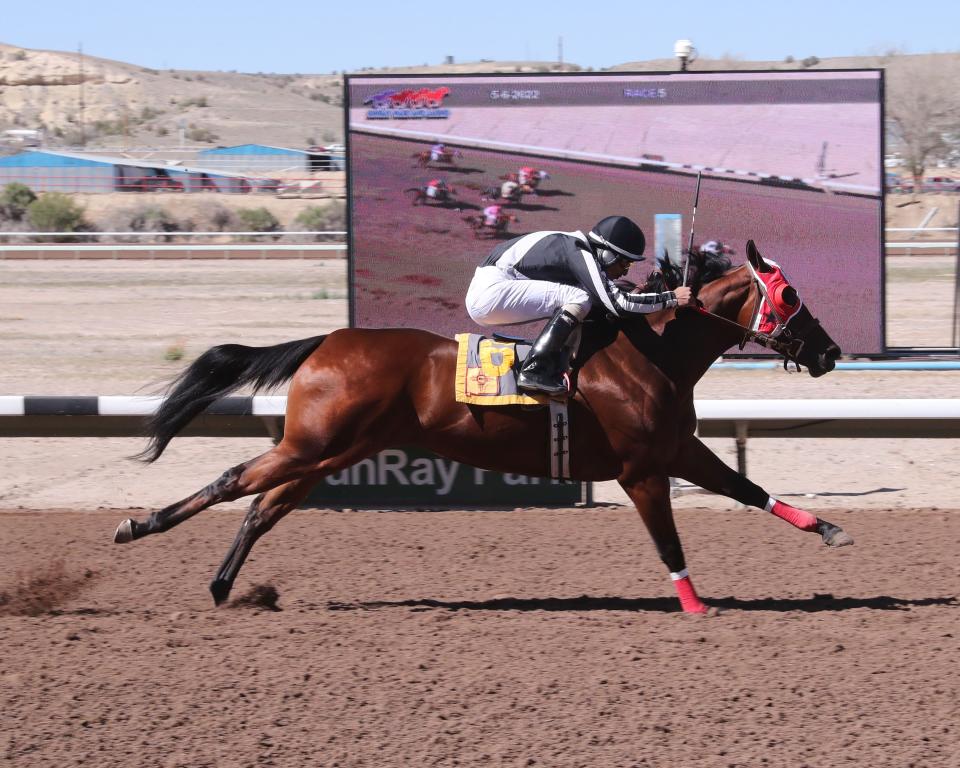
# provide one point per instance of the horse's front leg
(652, 497)
(699, 465)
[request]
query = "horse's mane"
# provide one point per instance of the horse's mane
(705, 267)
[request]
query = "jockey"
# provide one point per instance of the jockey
(716, 248)
(437, 151)
(527, 175)
(561, 275)
(510, 190)
(491, 215)
(436, 189)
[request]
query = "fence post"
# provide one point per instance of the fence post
(955, 336)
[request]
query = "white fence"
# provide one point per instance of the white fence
(262, 416)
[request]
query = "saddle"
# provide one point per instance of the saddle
(486, 374)
(487, 370)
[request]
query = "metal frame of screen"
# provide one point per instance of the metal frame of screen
(527, 76)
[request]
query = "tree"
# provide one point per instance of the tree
(14, 201)
(923, 108)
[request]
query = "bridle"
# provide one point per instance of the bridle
(788, 336)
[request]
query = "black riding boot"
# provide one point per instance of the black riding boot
(549, 356)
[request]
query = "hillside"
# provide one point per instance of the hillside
(125, 105)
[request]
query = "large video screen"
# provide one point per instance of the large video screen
(791, 160)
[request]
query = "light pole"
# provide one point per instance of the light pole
(684, 50)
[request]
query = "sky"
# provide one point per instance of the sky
(297, 36)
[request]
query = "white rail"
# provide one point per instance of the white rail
(262, 416)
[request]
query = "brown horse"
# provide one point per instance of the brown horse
(481, 229)
(357, 391)
(446, 158)
(445, 198)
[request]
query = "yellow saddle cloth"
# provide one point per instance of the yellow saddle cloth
(487, 372)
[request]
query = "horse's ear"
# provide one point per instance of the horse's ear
(755, 258)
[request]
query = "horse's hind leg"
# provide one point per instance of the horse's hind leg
(264, 513)
(267, 471)
(652, 497)
(699, 465)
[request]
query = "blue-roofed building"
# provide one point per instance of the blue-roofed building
(54, 171)
(265, 158)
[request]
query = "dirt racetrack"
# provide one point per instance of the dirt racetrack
(543, 637)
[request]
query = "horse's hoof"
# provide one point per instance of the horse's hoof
(838, 538)
(124, 532)
(701, 610)
(220, 591)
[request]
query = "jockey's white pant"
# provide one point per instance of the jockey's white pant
(495, 298)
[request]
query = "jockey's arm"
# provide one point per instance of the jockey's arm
(641, 303)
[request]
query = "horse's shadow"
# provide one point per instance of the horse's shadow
(554, 193)
(817, 604)
(464, 169)
(529, 207)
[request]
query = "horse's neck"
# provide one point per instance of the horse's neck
(731, 297)
(684, 344)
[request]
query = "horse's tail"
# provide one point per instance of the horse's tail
(217, 372)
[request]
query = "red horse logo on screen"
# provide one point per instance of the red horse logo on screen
(409, 98)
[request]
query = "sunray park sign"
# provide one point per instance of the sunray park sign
(400, 477)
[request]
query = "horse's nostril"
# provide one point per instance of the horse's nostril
(833, 352)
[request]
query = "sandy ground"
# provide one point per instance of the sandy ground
(526, 638)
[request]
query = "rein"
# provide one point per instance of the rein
(763, 339)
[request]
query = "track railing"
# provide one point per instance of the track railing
(262, 416)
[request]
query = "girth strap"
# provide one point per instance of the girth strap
(559, 440)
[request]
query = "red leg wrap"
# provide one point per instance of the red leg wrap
(796, 517)
(689, 600)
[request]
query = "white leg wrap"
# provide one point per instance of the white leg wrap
(680, 575)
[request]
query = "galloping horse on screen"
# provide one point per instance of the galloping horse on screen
(445, 159)
(481, 229)
(357, 391)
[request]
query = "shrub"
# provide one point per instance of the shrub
(153, 219)
(56, 212)
(217, 218)
(174, 352)
(14, 201)
(258, 220)
(810, 61)
(330, 217)
(201, 134)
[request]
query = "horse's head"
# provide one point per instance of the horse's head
(758, 296)
(782, 317)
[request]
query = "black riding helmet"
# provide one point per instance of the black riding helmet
(617, 237)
